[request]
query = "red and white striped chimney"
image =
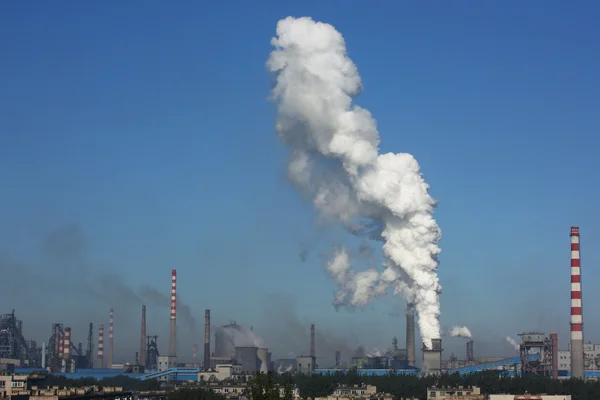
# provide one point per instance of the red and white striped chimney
(111, 324)
(67, 344)
(577, 361)
(172, 338)
(61, 346)
(101, 346)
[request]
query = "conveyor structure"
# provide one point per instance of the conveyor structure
(492, 365)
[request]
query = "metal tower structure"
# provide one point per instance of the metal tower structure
(536, 343)
(89, 352)
(152, 353)
(12, 343)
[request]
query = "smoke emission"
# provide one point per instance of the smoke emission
(334, 160)
(513, 343)
(460, 331)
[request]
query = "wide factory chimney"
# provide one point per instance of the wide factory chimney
(410, 338)
(470, 355)
(143, 338)
(172, 338)
(432, 358)
(206, 363)
(577, 362)
(111, 323)
(101, 346)
(312, 340)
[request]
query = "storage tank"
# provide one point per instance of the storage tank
(263, 359)
(247, 357)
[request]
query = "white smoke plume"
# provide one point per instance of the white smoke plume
(513, 343)
(460, 331)
(335, 160)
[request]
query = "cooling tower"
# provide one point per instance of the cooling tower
(432, 358)
(263, 359)
(410, 338)
(577, 361)
(247, 357)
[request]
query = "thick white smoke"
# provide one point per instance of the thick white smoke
(513, 343)
(460, 331)
(335, 160)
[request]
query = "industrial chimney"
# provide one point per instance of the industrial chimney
(312, 340)
(577, 362)
(143, 338)
(172, 338)
(432, 358)
(554, 341)
(111, 322)
(470, 355)
(206, 364)
(410, 337)
(101, 346)
(338, 359)
(67, 344)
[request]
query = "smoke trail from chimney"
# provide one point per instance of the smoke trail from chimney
(101, 346)
(460, 331)
(335, 160)
(143, 338)
(111, 344)
(172, 332)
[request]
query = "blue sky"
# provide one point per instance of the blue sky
(147, 131)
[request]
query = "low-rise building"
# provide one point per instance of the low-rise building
(454, 393)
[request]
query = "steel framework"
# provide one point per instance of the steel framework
(536, 343)
(151, 353)
(12, 343)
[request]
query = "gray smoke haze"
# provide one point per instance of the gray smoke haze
(66, 286)
(285, 333)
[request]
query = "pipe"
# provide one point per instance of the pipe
(172, 339)
(143, 338)
(410, 337)
(577, 361)
(312, 340)
(101, 346)
(554, 341)
(206, 363)
(111, 322)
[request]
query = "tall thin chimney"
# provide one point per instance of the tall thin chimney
(554, 341)
(172, 339)
(410, 336)
(206, 364)
(470, 355)
(56, 341)
(111, 322)
(312, 340)
(577, 362)
(67, 344)
(143, 338)
(101, 346)
(338, 359)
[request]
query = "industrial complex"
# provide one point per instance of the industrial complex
(237, 350)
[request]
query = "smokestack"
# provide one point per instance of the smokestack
(312, 340)
(61, 347)
(577, 363)
(67, 344)
(410, 337)
(56, 341)
(432, 358)
(554, 341)
(172, 340)
(470, 355)
(338, 359)
(111, 321)
(195, 353)
(143, 338)
(44, 354)
(101, 346)
(206, 339)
